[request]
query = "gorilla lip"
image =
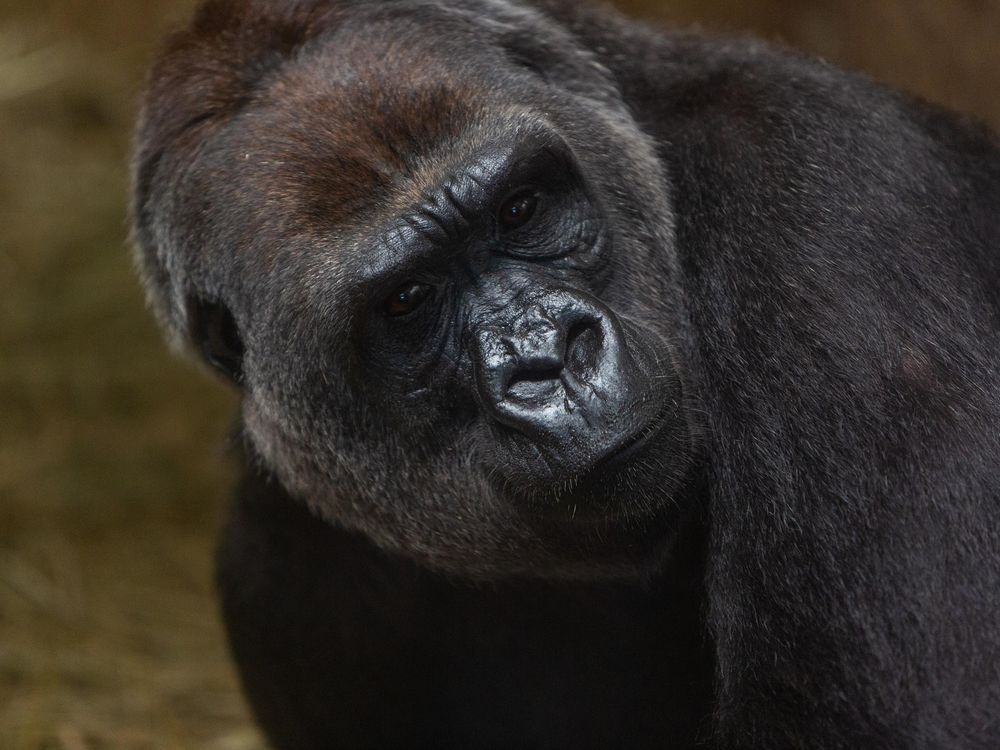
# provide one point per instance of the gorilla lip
(633, 444)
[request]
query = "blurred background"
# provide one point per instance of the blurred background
(113, 475)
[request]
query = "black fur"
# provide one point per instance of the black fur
(787, 278)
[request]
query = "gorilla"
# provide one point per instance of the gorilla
(602, 386)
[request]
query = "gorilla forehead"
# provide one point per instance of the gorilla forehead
(306, 121)
(324, 190)
(367, 117)
(333, 156)
(363, 130)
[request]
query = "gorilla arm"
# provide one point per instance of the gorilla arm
(839, 245)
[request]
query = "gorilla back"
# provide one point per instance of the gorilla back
(602, 386)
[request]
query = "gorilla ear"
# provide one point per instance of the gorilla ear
(215, 335)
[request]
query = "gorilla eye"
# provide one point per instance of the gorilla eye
(518, 209)
(406, 299)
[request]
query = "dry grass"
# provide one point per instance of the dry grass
(108, 495)
(111, 484)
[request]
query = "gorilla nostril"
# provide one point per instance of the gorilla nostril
(534, 383)
(583, 344)
(537, 376)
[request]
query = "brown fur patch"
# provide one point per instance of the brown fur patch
(355, 124)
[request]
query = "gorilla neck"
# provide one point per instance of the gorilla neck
(530, 662)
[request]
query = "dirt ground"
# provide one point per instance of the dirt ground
(111, 470)
(113, 476)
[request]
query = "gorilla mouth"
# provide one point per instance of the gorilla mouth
(609, 463)
(632, 445)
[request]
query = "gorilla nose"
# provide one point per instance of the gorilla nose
(540, 359)
(538, 365)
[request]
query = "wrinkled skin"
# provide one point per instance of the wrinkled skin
(601, 386)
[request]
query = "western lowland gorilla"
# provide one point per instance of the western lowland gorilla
(602, 386)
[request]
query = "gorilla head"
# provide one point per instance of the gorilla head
(447, 291)
(524, 288)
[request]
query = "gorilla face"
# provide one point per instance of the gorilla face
(444, 276)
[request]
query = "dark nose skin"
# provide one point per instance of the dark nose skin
(537, 350)
(545, 367)
(554, 368)
(523, 361)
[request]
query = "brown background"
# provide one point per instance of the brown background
(112, 474)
